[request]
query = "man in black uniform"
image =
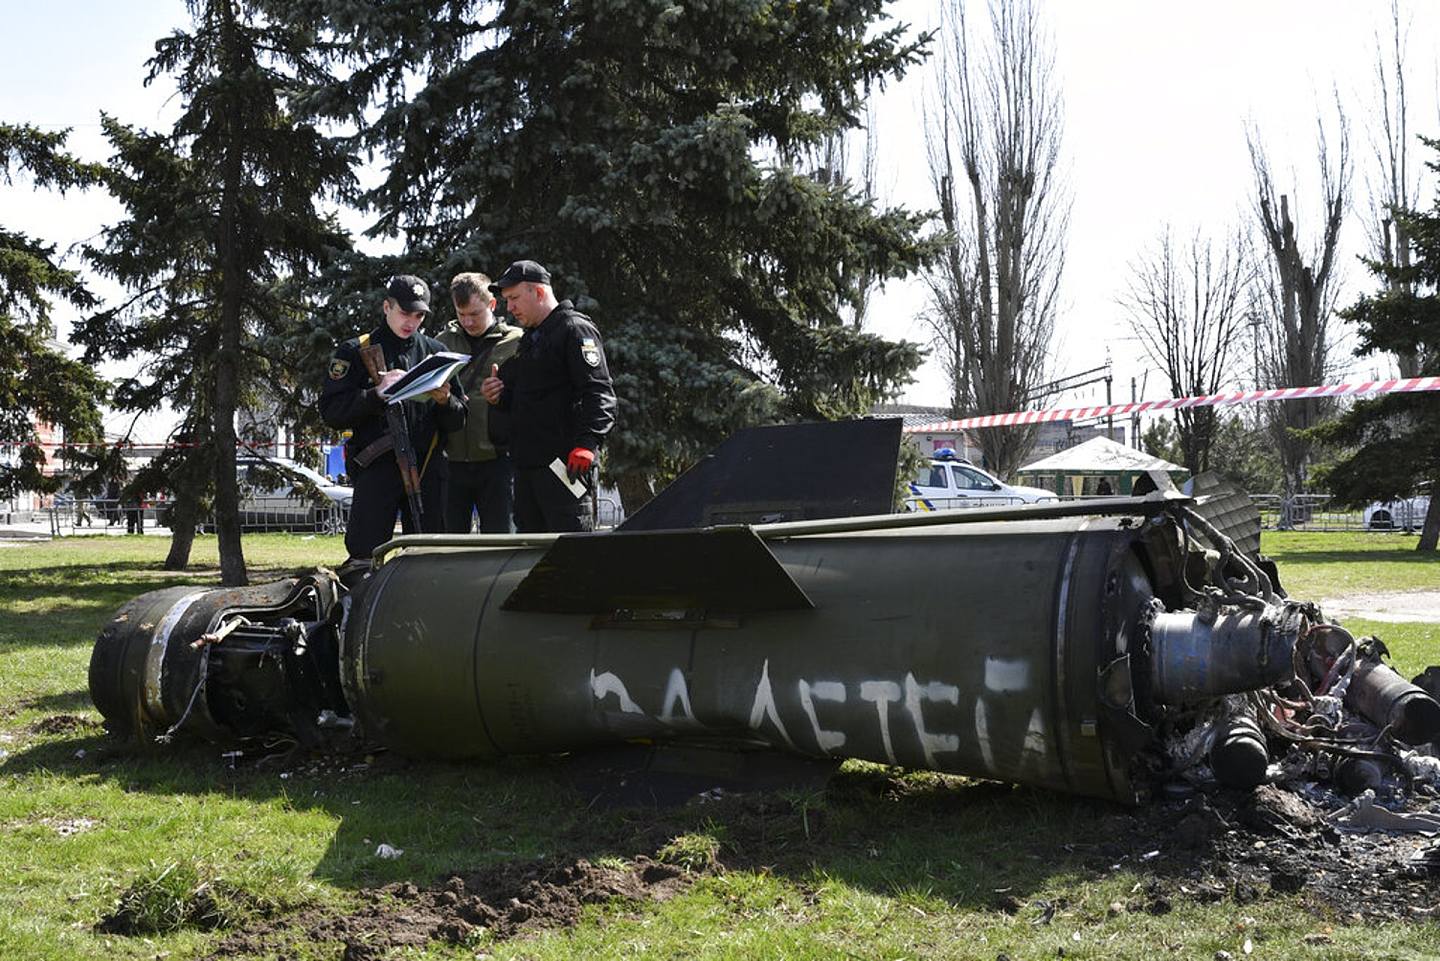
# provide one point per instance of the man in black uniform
(558, 394)
(350, 400)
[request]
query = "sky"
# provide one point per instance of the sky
(1158, 98)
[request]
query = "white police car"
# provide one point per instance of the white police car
(951, 481)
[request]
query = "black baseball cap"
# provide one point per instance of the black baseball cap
(410, 292)
(520, 272)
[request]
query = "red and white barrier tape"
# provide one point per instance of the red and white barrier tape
(1395, 385)
(1392, 386)
(240, 446)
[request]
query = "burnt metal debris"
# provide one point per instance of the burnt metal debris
(1104, 648)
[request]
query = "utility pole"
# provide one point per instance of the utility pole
(1134, 417)
(1109, 418)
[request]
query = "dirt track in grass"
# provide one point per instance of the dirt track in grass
(1392, 606)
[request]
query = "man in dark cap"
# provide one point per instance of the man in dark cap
(350, 399)
(560, 401)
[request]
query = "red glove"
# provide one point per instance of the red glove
(580, 460)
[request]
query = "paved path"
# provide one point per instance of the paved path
(31, 530)
(1391, 606)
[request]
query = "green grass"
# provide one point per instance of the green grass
(1413, 646)
(879, 866)
(1327, 565)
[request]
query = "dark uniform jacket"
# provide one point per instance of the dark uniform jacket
(349, 401)
(557, 389)
(495, 346)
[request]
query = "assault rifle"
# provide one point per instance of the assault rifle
(374, 359)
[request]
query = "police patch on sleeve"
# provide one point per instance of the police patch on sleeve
(589, 352)
(339, 367)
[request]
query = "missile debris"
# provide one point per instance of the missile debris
(1094, 647)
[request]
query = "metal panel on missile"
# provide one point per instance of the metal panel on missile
(726, 569)
(790, 472)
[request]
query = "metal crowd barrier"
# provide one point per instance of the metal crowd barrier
(69, 515)
(93, 515)
(1309, 512)
(257, 515)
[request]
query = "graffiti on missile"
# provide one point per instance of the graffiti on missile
(838, 714)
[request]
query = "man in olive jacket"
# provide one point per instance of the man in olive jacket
(481, 474)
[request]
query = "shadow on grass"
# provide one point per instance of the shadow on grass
(1379, 558)
(87, 596)
(75, 620)
(971, 844)
(75, 701)
(69, 575)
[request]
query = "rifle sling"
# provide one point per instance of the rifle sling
(374, 449)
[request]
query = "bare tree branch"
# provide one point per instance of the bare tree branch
(1186, 307)
(1393, 185)
(993, 148)
(1297, 294)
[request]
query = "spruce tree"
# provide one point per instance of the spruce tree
(653, 155)
(222, 214)
(1396, 437)
(38, 383)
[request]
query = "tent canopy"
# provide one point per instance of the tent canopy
(1100, 456)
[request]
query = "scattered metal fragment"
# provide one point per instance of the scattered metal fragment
(1365, 815)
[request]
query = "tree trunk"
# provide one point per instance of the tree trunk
(226, 387)
(183, 515)
(635, 491)
(1430, 533)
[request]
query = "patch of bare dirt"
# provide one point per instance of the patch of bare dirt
(1213, 846)
(63, 724)
(1392, 606)
(496, 903)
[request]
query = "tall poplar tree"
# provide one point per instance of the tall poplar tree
(38, 383)
(222, 212)
(655, 157)
(994, 142)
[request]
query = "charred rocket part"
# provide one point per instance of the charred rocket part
(1093, 648)
(225, 664)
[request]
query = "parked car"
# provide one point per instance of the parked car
(951, 481)
(277, 494)
(1405, 514)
